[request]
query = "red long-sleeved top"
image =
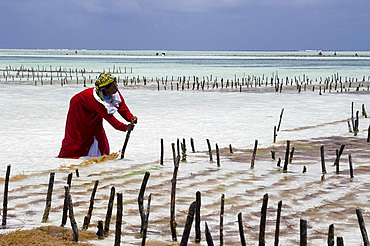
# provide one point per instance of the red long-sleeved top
(85, 121)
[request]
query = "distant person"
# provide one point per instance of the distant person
(320, 53)
(84, 132)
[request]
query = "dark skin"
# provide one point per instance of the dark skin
(112, 89)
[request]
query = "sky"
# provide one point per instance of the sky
(185, 24)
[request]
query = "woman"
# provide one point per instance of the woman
(84, 132)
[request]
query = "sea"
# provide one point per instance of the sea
(34, 109)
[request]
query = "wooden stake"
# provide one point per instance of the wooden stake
(285, 169)
(209, 150)
(125, 144)
(340, 241)
(222, 219)
(350, 166)
(254, 153)
(208, 237)
(331, 235)
(192, 145)
(173, 153)
(263, 220)
(361, 222)
(91, 207)
(71, 214)
(65, 205)
(218, 156)
(241, 231)
(117, 240)
(162, 151)
(173, 196)
(323, 168)
(48, 198)
(197, 217)
(109, 210)
(140, 201)
(145, 227)
(277, 229)
(5, 201)
(189, 222)
(303, 232)
(281, 117)
(278, 163)
(291, 155)
(100, 232)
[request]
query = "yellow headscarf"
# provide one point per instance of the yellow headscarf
(103, 81)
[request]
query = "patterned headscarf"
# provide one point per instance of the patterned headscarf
(104, 80)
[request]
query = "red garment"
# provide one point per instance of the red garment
(85, 121)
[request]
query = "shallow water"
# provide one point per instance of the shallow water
(32, 128)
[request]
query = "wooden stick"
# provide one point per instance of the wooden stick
(197, 217)
(303, 232)
(173, 153)
(291, 155)
(100, 232)
(285, 168)
(331, 235)
(192, 145)
(218, 156)
(71, 214)
(241, 231)
(208, 236)
(189, 222)
(5, 201)
(173, 196)
(350, 166)
(117, 240)
(145, 227)
(338, 155)
(340, 241)
(162, 151)
(361, 222)
(109, 210)
(91, 207)
(140, 201)
(368, 134)
(281, 116)
(65, 205)
(69, 180)
(231, 149)
(48, 198)
(209, 150)
(254, 153)
(183, 150)
(125, 144)
(323, 168)
(222, 219)
(277, 229)
(263, 220)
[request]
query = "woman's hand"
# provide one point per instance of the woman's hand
(133, 120)
(130, 127)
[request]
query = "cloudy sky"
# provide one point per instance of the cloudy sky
(186, 24)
